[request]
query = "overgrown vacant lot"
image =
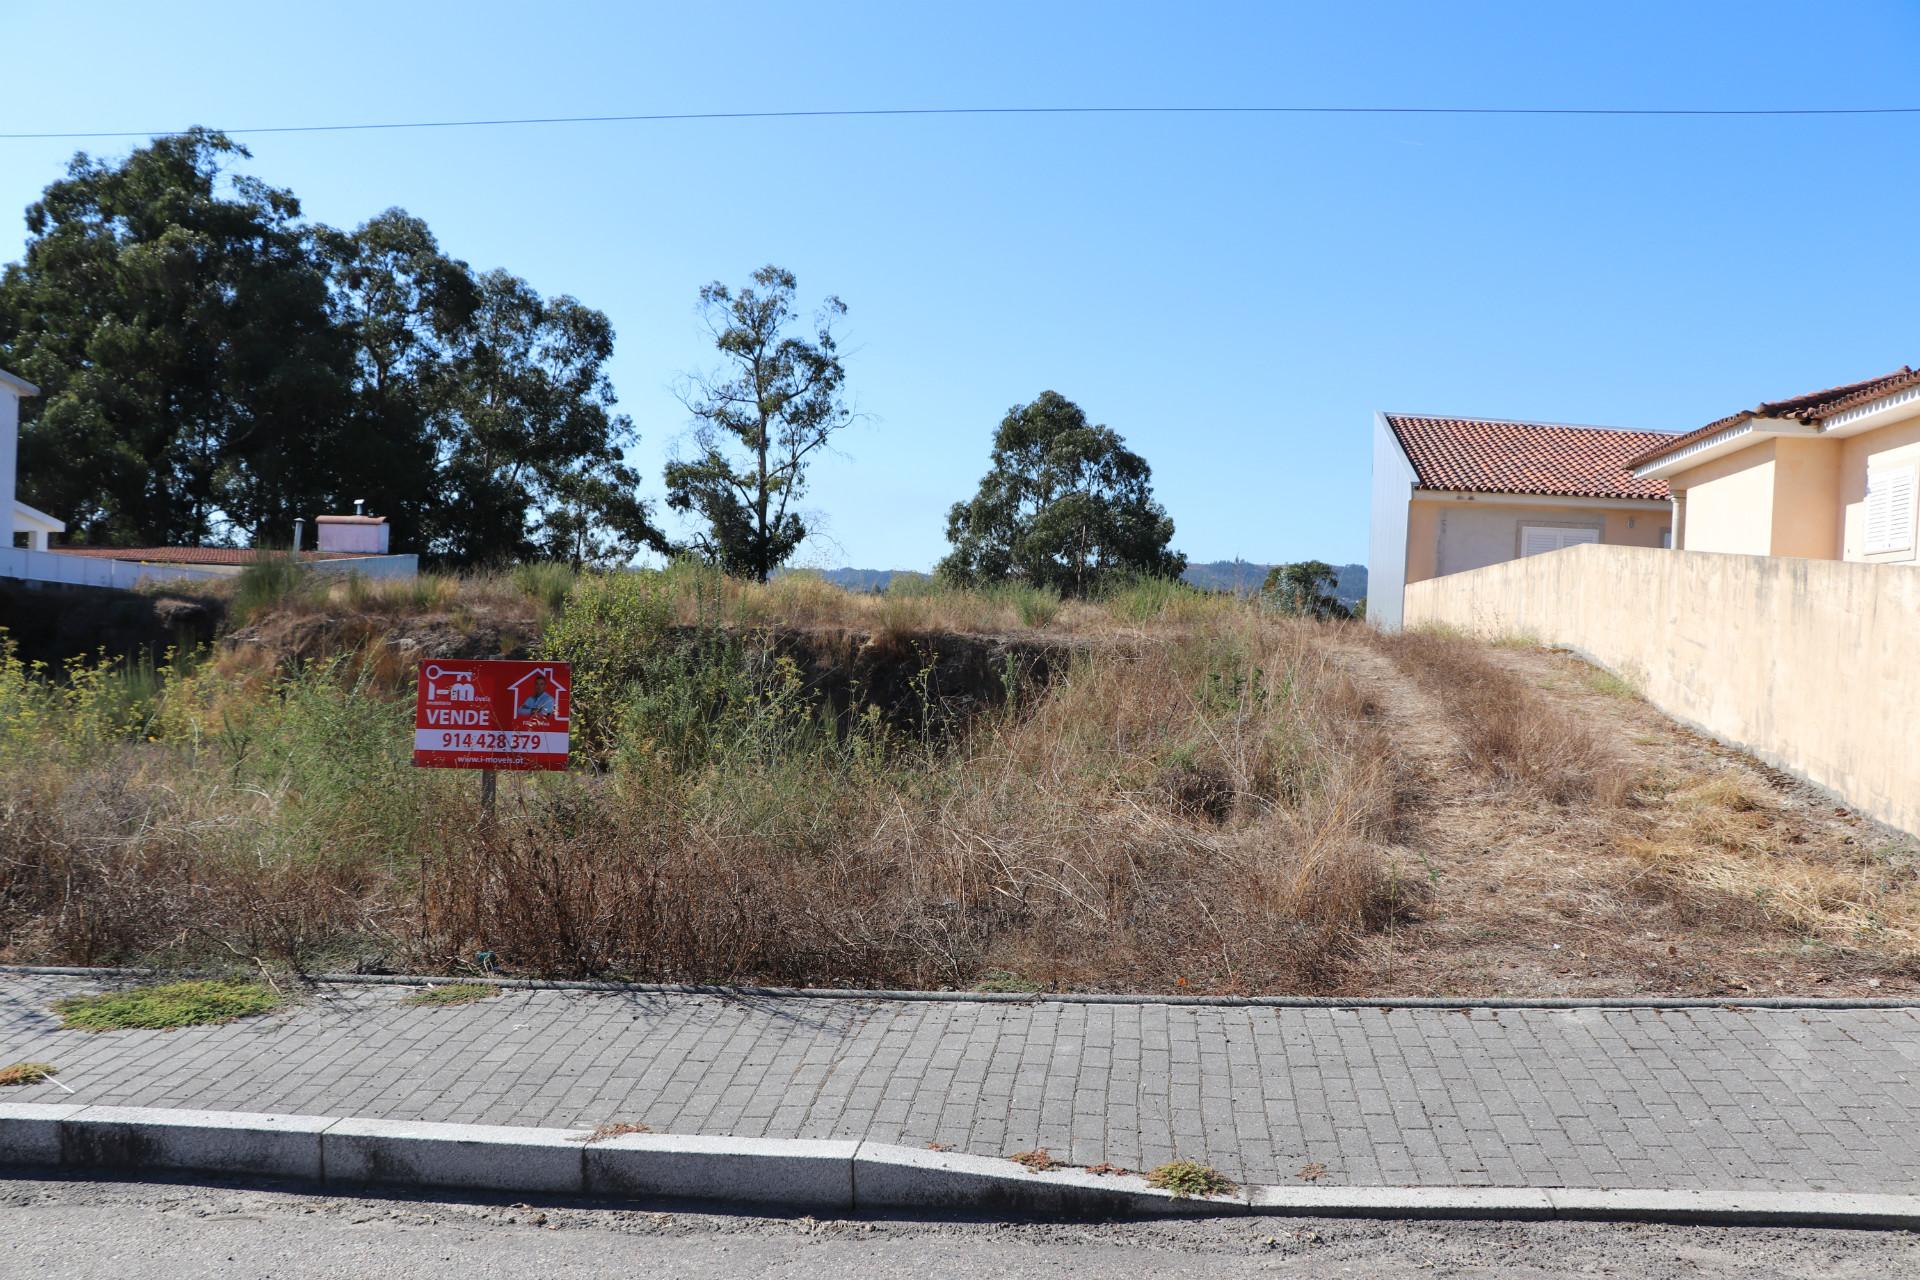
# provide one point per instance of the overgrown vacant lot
(1160, 791)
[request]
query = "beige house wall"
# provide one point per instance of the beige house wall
(1730, 502)
(1806, 499)
(1449, 533)
(1794, 496)
(1809, 664)
(1423, 541)
(1895, 445)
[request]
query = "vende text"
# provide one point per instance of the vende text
(456, 715)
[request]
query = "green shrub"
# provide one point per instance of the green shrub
(174, 1004)
(1189, 1179)
(546, 582)
(1035, 606)
(612, 629)
(268, 582)
(1135, 599)
(88, 706)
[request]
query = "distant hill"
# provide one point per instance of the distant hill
(1241, 576)
(1245, 577)
(866, 579)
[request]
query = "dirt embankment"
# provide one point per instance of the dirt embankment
(920, 682)
(52, 624)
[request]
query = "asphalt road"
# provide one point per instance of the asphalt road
(54, 1230)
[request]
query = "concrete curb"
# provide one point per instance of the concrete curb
(789, 1175)
(1055, 997)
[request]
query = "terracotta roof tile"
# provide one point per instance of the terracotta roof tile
(189, 555)
(1493, 456)
(1809, 408)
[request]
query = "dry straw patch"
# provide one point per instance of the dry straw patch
(1720, 849)
(1507, 729)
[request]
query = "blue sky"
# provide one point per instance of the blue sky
(1234, 295)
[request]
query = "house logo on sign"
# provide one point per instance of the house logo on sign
(536, 695)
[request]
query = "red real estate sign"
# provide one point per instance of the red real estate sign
(492, 714)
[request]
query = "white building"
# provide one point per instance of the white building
(21, 518)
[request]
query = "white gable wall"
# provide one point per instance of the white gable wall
(1387, 539)
(9, 453)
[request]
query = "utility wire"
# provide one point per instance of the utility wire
(1652, 112)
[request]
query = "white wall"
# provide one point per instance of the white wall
(95, 571)
(91, 571)
(1392, 490)
(350, 535)
(9, 457)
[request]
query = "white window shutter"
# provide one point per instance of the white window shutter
(1536, 539)
(1890, 499)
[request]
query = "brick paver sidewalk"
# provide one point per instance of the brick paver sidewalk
(1696, 1098)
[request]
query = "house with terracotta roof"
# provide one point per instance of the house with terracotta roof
(1453, 494)
(350, 544)
(1829, 475)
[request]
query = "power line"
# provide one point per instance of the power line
(850, 113)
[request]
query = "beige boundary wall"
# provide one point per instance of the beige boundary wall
(1812, 665)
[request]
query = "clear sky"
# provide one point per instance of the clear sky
(1234, 295)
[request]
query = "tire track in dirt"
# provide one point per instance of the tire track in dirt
(1525, 897)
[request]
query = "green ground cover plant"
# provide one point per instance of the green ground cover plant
(453, 993)
(169, 1005)
(1189, 1179)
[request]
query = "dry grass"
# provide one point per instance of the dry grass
(612, 1129)
(1718, 848)
(22, 1073)
(919, 606)
(1715, 877)
(1199, 798)
(1038, 1160)
(1507, 729)
(1040, 845)
(1056, 839)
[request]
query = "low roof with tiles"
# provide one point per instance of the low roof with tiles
(1553, 459)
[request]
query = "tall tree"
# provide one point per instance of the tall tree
(177, 324)
(1065, 505)
(212, 366)
(758, 423)
(536, 464)
(405, 307)
(1305, 589)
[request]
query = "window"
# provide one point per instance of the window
(1889, 510)
(1538, 538)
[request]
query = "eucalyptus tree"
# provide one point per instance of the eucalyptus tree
(1065, 504)
(759, 422)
